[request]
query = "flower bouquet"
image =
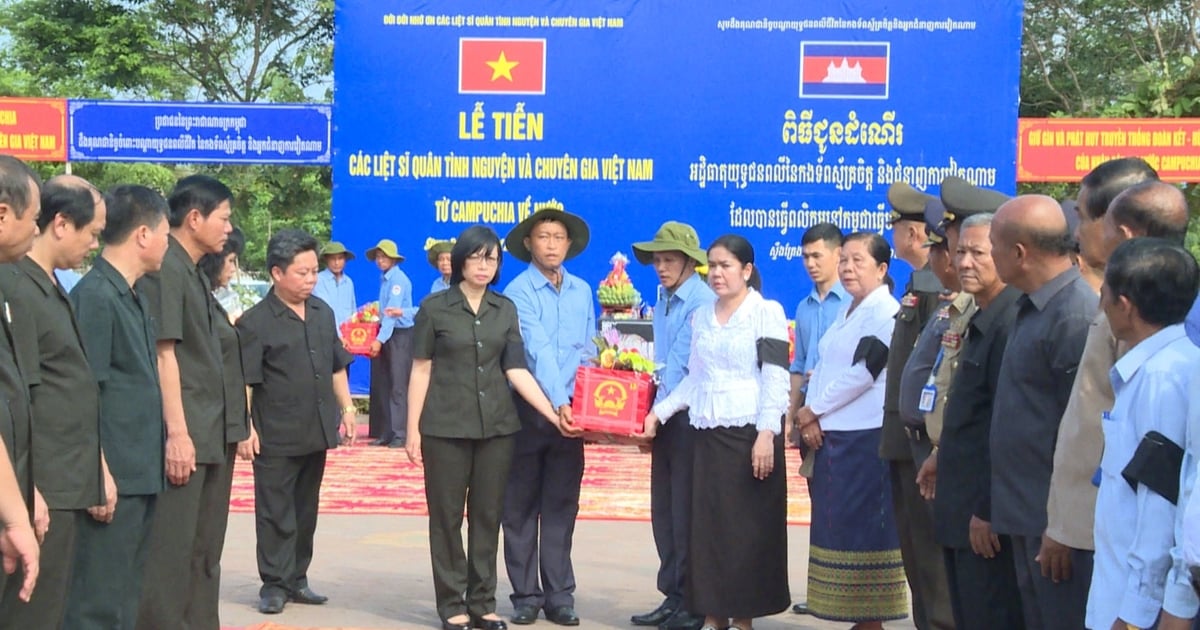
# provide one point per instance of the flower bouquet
(613, 397)
(361, 330)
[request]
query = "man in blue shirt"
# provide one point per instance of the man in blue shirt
(391, 352)
(333, 285)
(1149, 285)
(821, 245)
(439, 257)
(558, 320)
(675, 252)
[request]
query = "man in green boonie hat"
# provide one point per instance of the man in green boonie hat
(675, 253)
(438, 254)
(391, 352)
(333, 285)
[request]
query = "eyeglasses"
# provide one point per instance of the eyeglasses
(482, 259)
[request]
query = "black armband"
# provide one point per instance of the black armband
(772, 351)
(873, 353)
(1156, 464)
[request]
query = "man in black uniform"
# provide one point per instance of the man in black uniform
(296, 367)
(181, 587)
(922, 566)
(118, 336)
(67, 463)
(20, 202)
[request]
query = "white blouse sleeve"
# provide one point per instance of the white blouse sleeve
(774, 382)
(679, 397)
(853, 381)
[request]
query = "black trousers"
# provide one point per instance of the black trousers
(983, 592)
(923, 567)
(1046, 605)
(671, 503)
(110, 562)
(187, 538)
(286, 493)
(474, 473)
(540, 506)
(48, 604)
(389, 381)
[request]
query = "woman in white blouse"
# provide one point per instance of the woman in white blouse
(736, 391)
(854, 571)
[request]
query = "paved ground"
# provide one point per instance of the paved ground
(375, 570)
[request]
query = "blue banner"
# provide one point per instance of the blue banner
(761, 118)
(228, 133)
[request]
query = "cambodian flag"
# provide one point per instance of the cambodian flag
(844, 69)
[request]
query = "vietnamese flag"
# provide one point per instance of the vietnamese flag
(502, 66)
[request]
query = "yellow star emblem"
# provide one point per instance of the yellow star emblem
(502, 67)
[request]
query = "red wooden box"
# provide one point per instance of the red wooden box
(612, 402)
(359, 336)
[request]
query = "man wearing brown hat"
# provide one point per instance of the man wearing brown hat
(675, 252)
(333, 285)
(439, 257)
(558, 320)
(391, 352)
(922, 558)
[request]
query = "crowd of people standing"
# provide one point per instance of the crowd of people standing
(1010, 444)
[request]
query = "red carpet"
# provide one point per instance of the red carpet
(374, 480)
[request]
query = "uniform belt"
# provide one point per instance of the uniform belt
(916, 434)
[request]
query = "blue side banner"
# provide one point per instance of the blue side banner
(230, 133)
(760, 118)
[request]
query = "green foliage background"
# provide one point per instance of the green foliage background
(1086, 58)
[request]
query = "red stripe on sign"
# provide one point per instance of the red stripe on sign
(503, 66)
(874, 69)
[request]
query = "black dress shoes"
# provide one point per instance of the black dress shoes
(396, 443)
(563, 616)
(524, 615)
(489, 624)
(655, 617)
(380, 442)
(271, 603)
(682, 620)
(801, 608)
(450, 625)
(307, 596)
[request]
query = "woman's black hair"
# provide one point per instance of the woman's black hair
(211, 265)
(743, 251)
(879, 250)
(477, 239)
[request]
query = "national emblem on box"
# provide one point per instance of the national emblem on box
(361, 330)
(613, 398)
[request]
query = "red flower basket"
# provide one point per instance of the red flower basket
(611, 405)
(359, 336)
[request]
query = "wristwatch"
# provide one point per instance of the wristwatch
(348, 409)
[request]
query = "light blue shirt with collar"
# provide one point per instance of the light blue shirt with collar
(1135, 572)
(557, 326)
(813, 317)
(338, 293)
(395, 291)
(1193, 322)
(672, 326)
(439, 285)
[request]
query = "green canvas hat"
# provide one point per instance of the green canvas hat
(437, 249)
(387, 247)
(963, 199)
(907, 202)
(335, 247)
(673, 236)
(577, 230)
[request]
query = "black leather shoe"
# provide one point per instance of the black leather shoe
(655, 617)
(450, 625)
(489, 624)
(801, 608)
(271, 603)
(563, 616)
(307, 596)
(380, 442)
(682, 620)
(524, 615)
(397, 443)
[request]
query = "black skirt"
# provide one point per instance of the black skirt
(738, 564)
